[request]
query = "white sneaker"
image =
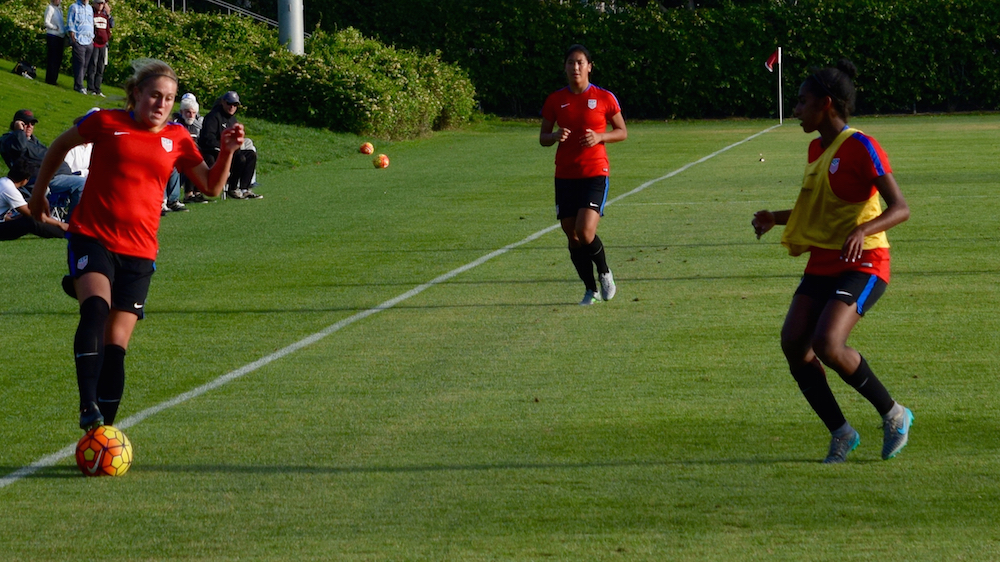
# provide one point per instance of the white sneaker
(589, 297)
(608, 288)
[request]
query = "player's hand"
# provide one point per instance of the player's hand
(590, 138)
(561, 135)
(853, 246)
(39, 206)
(762, 222)
(233, 137)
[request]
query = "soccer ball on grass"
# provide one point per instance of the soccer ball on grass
(381, 161)
(367, 148)
(104, 451)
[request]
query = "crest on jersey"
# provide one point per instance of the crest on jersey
(834, 165)
(591, 103)
(167, 144)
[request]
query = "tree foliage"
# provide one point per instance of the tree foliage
(923, 55)
(345, 82)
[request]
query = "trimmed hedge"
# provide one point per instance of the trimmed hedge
(344, 82)
(917, 55)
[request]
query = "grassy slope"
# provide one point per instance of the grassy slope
(489, 417)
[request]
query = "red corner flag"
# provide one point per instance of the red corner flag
(775, 58)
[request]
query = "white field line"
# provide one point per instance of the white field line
(69, 450)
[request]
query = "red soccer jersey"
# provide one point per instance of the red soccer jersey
(852, 177)
(591, 109)
(121, 201)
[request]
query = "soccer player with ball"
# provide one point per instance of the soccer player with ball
(839, 221)
(112, 233)
(583, 111)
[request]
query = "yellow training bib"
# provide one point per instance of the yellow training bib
(822, 219)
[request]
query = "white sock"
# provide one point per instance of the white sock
(895, 412)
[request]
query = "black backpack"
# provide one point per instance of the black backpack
(26, 70)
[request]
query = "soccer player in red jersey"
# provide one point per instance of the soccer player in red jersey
(112, 233)
(838, 219)
(583, 111)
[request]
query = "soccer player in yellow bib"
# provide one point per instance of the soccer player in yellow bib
(839, 221)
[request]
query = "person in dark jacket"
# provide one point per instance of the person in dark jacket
(20, 142)
(221, 117)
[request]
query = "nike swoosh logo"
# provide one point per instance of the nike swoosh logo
(97, 463)
(594, 205)
(119, 133)
(137, 305)
(563, 105)
(845, 293)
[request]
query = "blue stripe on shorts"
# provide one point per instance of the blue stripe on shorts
(865, 294)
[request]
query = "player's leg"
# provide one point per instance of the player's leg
(581, 260)
(796, 343)
(806, 369)
(588, 218)
(94, 293)
(856, 294)
(569, 199)
(130, 291)
(111, 384)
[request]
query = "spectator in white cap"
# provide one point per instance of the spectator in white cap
(244, 166)
(192, 121)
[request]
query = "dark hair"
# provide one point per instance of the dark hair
(578, 48)
(22, 169)
(838, 83)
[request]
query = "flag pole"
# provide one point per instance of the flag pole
(781, 112)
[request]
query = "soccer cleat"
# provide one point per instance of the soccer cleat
(897, 433)
(196, 197)
(90, 417)
(608, 288)
(235, 194)
(176, 206)
(589, 297)
(840, 446)
(249, 194)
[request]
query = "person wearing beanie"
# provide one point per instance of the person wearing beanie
(221, 117)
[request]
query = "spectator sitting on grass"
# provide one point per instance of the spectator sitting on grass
(16, 220)
(244, 165)
(189, 117)
(21, 142)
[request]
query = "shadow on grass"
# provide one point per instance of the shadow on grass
(561, 281)
(66, 471)
(54, 472)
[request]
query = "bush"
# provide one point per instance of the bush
(344, 82)
(366, 87)
(918, 55)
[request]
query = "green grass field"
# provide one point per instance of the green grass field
(486, 416)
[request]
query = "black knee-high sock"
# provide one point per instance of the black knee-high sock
(813, 384)
(867, 384)
(596, 251)
(112, 382)
(584, 266)
(88, 347)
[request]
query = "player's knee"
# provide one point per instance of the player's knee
(827, 349)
